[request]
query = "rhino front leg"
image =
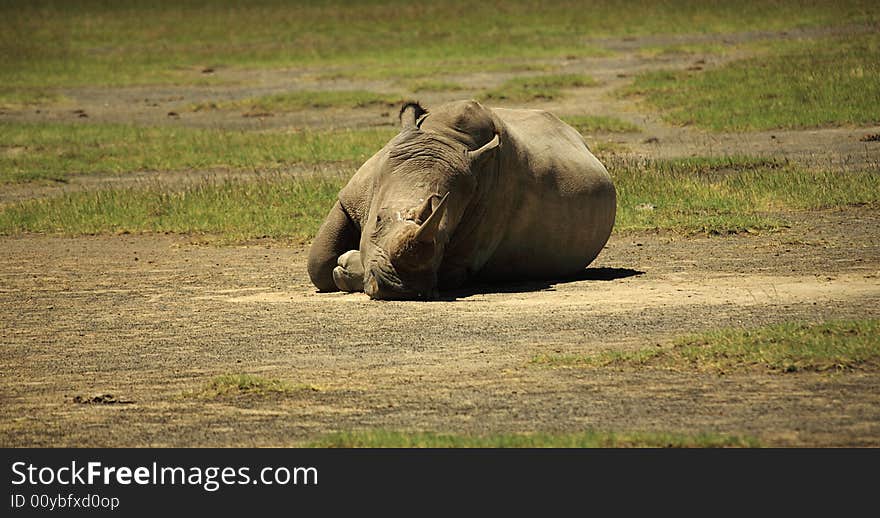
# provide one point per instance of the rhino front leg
(337, 235)
(349, 275)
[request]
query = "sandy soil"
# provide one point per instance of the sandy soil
(148, 318)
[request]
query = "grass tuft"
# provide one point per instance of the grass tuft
(679, 49)
(789, 347)
(56, 151)
(428, 85)
(588, 439)
(428, 71)
(20, 98)
(547, 87)
(694, 195)
(236, 210)
(304, 100)
(827, 82)
(722, 195)
(230, 386)
(599, 124)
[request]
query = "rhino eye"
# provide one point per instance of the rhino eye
(378, 219)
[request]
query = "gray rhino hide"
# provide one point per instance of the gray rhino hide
(466, 192)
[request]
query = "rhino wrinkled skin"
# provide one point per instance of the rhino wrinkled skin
(463, 193)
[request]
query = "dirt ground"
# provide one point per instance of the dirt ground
(148, 318)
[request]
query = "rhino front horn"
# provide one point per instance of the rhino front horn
(428, 230)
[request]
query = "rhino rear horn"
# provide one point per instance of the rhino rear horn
(487, 150)
(428, 229)
(410, 112)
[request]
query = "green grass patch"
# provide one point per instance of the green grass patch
(546, 87)
(695, 195)
(728, 194)
(18, 98)
(588, 439)
(434, 86)
(788, 347)
(232, 210)
(605, 149)
(679, 49)
(229, 386)
(57, 151)
(601, 124)
(304, 100)
(805, 84)
(88, 42)
(429, 70)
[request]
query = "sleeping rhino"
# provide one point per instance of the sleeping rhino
(465, 192)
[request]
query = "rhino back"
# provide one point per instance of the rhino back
(562, 197)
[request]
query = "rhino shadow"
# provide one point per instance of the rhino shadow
(587, 274)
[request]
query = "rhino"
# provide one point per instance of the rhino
(466, 193)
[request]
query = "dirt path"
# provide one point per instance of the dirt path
(148, 318)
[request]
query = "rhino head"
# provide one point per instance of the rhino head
(421, 192)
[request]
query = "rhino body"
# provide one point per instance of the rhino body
(466, 192)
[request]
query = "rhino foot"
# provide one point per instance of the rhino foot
(349, 275)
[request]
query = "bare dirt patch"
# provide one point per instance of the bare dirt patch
(148, 318)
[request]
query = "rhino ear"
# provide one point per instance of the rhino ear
(428, 229)
(410, 112)
(478, 156)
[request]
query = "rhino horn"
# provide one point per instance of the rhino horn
(428, 229)
(426, 209)
(485, 151)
